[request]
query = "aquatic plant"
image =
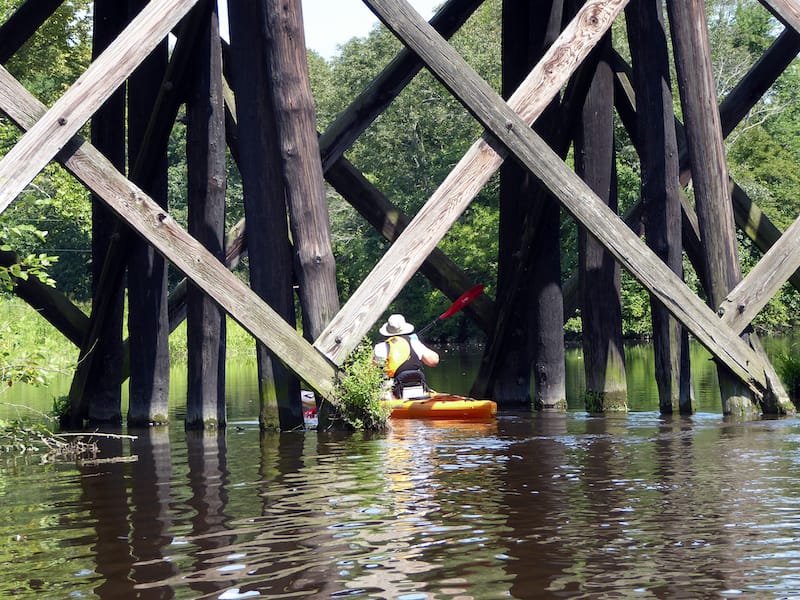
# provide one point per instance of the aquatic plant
(356, 398)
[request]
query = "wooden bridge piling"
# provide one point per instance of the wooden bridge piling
(269, 77)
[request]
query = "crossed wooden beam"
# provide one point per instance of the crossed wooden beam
(51, 133)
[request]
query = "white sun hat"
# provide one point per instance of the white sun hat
(396, 325)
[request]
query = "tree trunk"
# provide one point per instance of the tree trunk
(601, 311)
(269, 248)
(148, 321)
(660, 194)
(205, 151)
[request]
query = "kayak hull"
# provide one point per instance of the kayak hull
(442, 406)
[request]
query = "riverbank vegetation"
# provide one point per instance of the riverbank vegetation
(406, 153)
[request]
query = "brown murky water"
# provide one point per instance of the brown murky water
(528, 506)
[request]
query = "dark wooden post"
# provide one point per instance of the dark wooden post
(148, 321)
(269, 248)
(101, 396)
(534, 346)
(709, 170)
(658, 148)
(205, 151)
(599, 273)
(301, 169)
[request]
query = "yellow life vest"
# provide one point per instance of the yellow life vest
(399, 353)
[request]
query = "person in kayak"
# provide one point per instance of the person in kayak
(403, 355)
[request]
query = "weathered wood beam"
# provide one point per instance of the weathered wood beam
(188, 255)
(390, 222)
(153, 145)
(749, 217)
(388, 219)
(59, 310)
(289, 88)
(206, 184)
(751, 294)
(757, 226)
(363, 110)
(758, 79)
(21, 25)
(516, 135)
(787, 11)
(447, 203)
(70, 112)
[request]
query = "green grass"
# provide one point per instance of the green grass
(789, 370)
(31, 350)
(239, 343)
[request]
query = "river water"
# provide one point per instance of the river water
(527, 506)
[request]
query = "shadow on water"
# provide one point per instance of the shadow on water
(524, 507)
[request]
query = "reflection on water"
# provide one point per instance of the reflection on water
(455, 374)
(558, 506)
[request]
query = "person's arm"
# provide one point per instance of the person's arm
(429, 358)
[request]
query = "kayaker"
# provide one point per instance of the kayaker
(403, 355)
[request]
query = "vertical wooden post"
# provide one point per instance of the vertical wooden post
(148, 321)
(660, 193)
(99, 396)
(205, 152)
(709, 170)
(599, 273)
(290, 92)
(268, 244)
(533, 347)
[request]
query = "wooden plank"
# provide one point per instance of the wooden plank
(787, 11)
(658, 153)
(70, 112)
(749, 217)
(447, 203)
(188, 255)
(706, 152)
(206, 181)
(255, 138)
(390, 222)
(111, 255)
(574, 195)
(752, 293)
(148, 321)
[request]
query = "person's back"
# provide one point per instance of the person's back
(403, 354)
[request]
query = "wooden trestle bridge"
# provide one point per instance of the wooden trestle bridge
(253, 97)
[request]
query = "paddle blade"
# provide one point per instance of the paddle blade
(462, 301)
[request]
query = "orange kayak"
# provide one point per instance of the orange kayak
(442, 406)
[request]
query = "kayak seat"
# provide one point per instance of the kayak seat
(410, 384)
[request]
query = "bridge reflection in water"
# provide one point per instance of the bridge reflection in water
(524, 507)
